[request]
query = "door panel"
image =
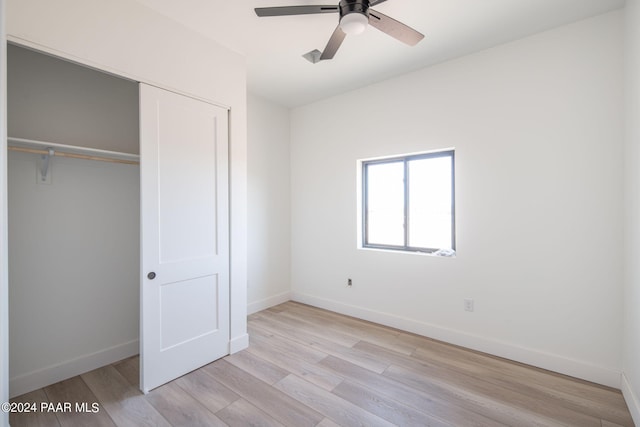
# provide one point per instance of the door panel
(188, 310)
(185, 235)
(184, 178)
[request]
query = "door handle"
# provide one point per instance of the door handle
(151, 275)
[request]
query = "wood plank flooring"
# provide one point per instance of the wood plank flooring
(310, 367)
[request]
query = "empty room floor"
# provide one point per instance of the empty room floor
(310, 367)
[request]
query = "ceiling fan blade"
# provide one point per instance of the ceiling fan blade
(395, 29)
(375, 2)
(334, 43)
(294, 10)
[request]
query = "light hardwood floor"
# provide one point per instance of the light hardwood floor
(310, 367)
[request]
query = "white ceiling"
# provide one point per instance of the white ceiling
(274, 46)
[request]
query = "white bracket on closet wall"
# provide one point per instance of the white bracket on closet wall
(44, 177)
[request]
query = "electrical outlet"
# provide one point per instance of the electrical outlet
(468, 304)
(349, 283)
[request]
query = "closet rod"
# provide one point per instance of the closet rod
(62, 150)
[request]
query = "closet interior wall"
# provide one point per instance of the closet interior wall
(74, 250)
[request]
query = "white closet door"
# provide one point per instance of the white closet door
(185, 235)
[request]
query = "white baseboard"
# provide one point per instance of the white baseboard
(238, 343)
(633, 403)
(257, 306)
(61, 371)
(552, 362)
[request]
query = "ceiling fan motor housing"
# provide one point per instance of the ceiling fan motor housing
(354, 6)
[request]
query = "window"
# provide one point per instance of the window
(408, 202)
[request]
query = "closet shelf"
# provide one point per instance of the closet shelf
(73, 151)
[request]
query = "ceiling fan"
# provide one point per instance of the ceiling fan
(354, 17)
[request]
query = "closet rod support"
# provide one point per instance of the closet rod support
(44, 168)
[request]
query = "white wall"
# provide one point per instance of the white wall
(74, 268)
(269, 204)
(57, 101)
(631, 367)
(536, 125)
(128, 39)
(74, 244)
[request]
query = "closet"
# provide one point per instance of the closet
(74, 223)
(108, 258)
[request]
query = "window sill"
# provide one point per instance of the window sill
(399, 251)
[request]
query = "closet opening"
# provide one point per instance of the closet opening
(74, 218)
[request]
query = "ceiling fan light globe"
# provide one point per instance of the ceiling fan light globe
(354, 23)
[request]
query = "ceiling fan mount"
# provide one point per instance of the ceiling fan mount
(353, 6)
(354, 17)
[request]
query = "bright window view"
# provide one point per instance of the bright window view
(408, 203)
